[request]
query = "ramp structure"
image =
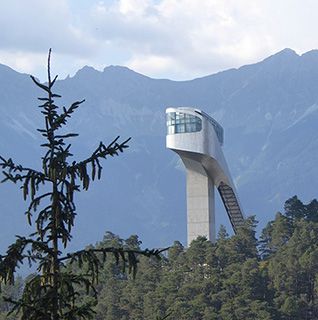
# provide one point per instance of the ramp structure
(197, 138)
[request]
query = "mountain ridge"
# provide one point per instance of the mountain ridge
(268, 111)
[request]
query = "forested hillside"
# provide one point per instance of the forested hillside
(239, 277)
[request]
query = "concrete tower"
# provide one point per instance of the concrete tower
(197, 139)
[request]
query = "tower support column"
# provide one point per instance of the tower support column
(200, 202)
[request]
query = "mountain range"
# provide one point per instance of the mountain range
(269, 112)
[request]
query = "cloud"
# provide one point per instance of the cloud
(193, 37)
(177, 39)
(37, 25)
(25, 62)
(153, 64)
(30, 28)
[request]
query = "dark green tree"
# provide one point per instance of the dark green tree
(52, 293)
(275, 235)
(294, 209)
(13, 291)
(293, 273)
(312, 211)
(227, 280)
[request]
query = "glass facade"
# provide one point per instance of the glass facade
(218, 129)
(179, 122)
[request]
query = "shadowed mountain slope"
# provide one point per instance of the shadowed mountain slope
(269, 111)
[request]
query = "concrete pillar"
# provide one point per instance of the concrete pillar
(200, 202)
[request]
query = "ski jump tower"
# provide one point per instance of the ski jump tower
(197, 139)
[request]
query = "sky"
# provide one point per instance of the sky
(174, 39)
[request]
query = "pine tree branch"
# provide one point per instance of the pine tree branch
(15, 256)
(96, 257)
(148, 253)
(12, 167)
(101, 151)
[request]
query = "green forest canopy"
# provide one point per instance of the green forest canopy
(239, 277)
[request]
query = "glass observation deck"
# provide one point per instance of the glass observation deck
(180, 122)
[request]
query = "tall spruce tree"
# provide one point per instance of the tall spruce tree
(52, 293)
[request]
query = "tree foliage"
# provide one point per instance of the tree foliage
(53, 292)
(231, 279)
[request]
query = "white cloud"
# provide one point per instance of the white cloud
(30, 28)
(193, 37)
(36, 25)
(153, 64)
(133, 7)
(161, 38)
(25, 62)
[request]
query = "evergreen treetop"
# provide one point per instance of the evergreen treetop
(52, 293)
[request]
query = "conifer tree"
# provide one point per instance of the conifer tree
(52, 293)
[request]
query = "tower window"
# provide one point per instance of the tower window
(179, 122)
